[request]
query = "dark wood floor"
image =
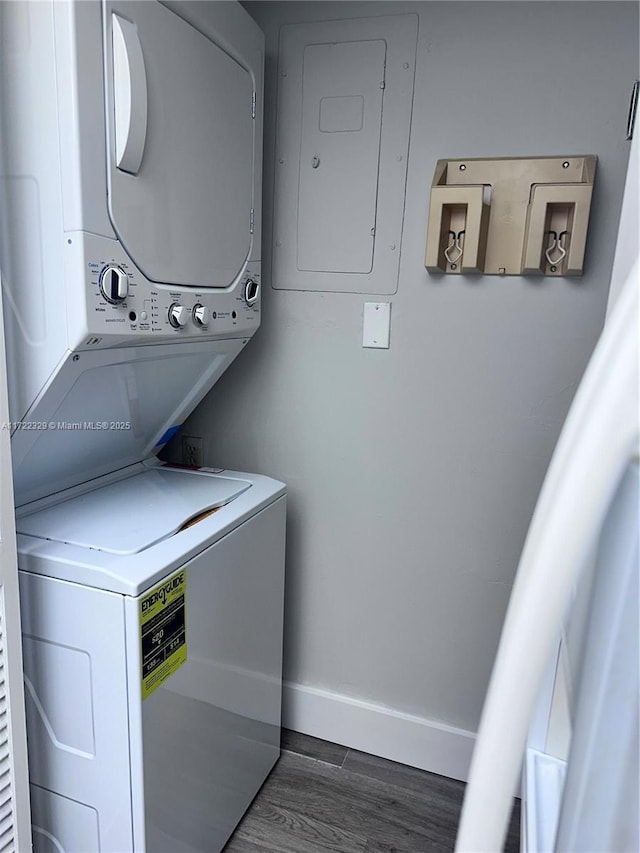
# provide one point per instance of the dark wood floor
(324, 797)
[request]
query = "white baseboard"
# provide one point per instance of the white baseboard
(378, 730)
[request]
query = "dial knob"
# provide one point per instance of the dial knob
(114, 284)
(178, 315)
(201, 315)
(251, 291)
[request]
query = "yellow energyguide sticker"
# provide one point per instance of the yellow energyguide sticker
(163, 631)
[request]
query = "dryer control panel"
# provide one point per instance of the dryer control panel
(122, 307)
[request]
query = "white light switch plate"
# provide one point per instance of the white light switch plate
(375, 324)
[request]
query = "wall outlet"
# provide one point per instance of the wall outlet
(192, 451)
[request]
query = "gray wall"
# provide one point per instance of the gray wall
(413, 472)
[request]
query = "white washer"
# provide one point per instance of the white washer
(131, 747)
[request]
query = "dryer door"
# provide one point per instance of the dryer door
(181, 147)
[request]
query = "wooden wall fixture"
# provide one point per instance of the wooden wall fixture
(510, 216)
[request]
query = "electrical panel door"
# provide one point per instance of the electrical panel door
(341, 121)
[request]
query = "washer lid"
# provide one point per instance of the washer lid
(130, 515)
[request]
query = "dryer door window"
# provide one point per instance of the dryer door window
(180, 147)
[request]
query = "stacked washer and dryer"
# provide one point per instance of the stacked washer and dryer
(151, 595)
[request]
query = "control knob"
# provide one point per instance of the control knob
(178, 315)
(251, 291)
(201, 315)
(114, 284)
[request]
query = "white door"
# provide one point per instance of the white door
(181, 147)
(599, 444)
(597, 451)
(15, 819)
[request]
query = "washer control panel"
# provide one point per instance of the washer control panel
(123, 307)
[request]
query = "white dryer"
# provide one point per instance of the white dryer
(130, 191)
(152, 657)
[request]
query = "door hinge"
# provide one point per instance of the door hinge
(253, 104)
(633, 109)
(251, 221)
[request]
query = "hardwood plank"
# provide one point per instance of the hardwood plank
(236, 844)
(512, 842)
(313, 747)
(288, 831)
(369, 805)
(410, 778)
(377, 846)
(393, 818)
(436, 788)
